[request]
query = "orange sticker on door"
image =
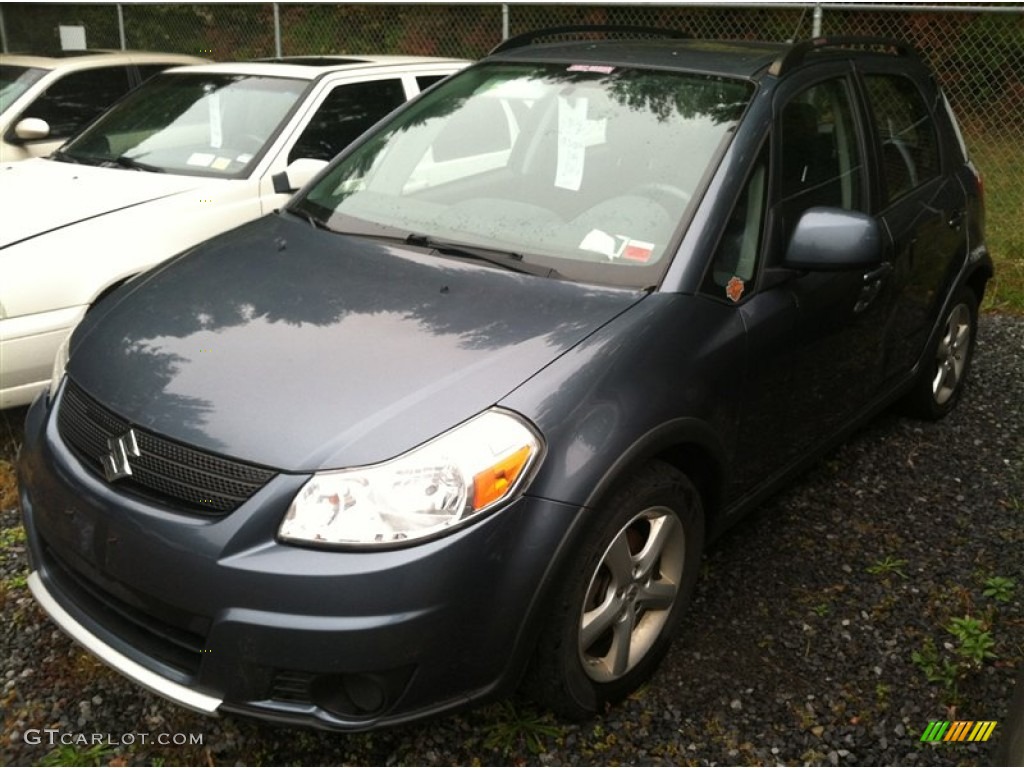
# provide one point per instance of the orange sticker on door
(734, 288)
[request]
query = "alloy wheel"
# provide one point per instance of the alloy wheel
(631, 594)
(951, 354)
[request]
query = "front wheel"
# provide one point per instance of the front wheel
(941, 381)
(614, 616)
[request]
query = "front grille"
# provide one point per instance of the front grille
(167, 471)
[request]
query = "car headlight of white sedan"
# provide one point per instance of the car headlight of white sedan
(454, 478)
(60, 362)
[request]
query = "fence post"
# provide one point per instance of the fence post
(3, 32)
(120, 26)
(504, 21)
(277, 31)
(816, 23)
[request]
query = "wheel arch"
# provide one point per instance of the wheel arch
(687, 444)
(977, 279)
(705, 472)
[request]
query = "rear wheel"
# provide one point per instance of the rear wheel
(615, 615)
(941, 381)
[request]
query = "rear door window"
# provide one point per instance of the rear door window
(905, 132)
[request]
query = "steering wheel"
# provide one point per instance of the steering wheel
(670, 197)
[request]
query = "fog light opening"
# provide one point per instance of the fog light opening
(366, 692)
(359, 695)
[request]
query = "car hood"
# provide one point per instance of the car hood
(39, 196)
(301, 349)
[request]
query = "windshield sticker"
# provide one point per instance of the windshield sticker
(202, 159)
(572, 124)
(604, 70)
(617, 246)
(245, 157)
(220, 163)
(216, 127)
(734, 288)
(637, 250)
(600, 242)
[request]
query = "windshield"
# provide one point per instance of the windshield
(588, 170)
(14, 81)
(190, 123)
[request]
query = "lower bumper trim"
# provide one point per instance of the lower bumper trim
(179, 694)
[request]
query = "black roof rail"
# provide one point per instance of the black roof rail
(796, 55)
(528, 38)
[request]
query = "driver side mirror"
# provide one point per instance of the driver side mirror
(834, 239)
(297, 174)
(32, 129)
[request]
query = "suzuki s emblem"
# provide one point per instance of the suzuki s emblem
(115, 463)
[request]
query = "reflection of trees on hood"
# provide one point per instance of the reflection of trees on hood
(281, 270)
(182, 415)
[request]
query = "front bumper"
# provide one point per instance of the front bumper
(215, 615)
(179, 694)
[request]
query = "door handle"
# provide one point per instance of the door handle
(872, 287)
(956, 218)
(877, 274)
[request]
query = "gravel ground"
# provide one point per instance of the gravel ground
(799, 648)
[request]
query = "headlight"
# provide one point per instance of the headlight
(60, 362)
(453, 478)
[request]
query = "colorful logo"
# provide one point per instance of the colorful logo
(958, 730)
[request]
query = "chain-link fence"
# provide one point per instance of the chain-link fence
(977, 52)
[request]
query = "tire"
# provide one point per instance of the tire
(941, 381)
(620, 604)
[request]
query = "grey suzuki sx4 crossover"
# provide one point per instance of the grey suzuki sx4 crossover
(463, 415)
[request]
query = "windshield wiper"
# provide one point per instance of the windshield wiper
(130, 162)
(310, 218)
(500, 258)
(63, 157)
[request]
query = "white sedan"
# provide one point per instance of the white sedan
(193, 152)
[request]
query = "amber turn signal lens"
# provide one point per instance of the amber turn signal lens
(495, 481)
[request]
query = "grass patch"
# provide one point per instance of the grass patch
(12, 431)
(68, 754)
(998, 158)
(510, 727)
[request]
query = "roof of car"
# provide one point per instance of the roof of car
(720, 57)
(310, 68)
(90, 58)
(674, 49)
